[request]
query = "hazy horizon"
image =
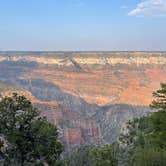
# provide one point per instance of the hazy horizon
(83, 50)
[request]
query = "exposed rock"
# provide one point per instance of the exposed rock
(89, 95)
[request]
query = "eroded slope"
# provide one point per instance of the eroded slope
(89, 95)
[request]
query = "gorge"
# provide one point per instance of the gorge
(88, 95)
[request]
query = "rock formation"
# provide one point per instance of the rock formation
(89, 95)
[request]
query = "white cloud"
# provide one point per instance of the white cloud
(150, 8)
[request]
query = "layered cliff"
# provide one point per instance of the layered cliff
(89, 95)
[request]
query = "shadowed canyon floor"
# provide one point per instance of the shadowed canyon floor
(89, 95)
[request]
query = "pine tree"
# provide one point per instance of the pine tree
(32, 140)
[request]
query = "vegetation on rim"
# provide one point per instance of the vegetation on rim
(27, 139)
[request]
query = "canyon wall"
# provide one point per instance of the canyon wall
(88, 95)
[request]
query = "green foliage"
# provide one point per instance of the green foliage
(148, 156)
(31, 140)
(145, 142)
(104, 156)
(93, 156)
(160, 98)
(81, 157)
(46, 143)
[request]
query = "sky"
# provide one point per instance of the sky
(82, 25)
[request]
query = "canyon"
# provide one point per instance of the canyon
(89, 95)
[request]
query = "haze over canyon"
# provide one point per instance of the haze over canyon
(89, 95)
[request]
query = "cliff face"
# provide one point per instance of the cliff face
(89, 95)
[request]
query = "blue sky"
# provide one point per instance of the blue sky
(83, 25)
